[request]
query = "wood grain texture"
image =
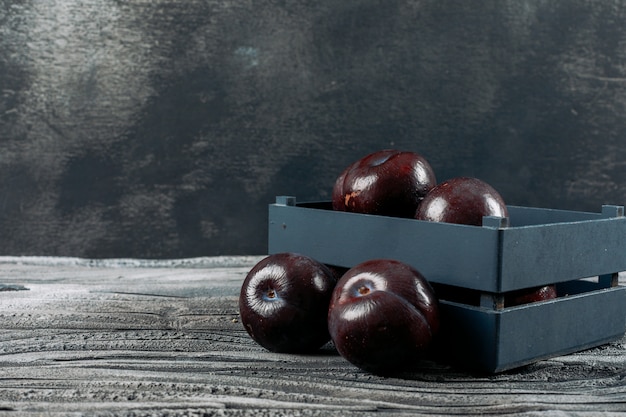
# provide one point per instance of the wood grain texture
(164, 128)
(141, 338)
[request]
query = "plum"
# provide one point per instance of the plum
(383, 316)
(284, 302)
(530, 295)
(461, 200)
(387, 182)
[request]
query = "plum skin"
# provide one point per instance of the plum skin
(530, 295)
(461, 200)
(388, 182)
(283, 303)
(383, 316)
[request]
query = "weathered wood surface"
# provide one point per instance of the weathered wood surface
(127, 337)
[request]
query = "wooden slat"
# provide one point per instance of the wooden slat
(157, 338)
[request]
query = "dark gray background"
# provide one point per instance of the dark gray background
(164, 128)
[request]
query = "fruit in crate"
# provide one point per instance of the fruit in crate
(532, 295)
(284, 301)
(383, 316)
(461, 200)
(388, 182)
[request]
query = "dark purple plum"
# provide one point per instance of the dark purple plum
(383, 316)
(461, 200)
(284, 301)
(388, 182)
(532, 295)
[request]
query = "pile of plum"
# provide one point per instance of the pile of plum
(381, 314)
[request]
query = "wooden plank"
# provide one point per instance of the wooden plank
(155, 337)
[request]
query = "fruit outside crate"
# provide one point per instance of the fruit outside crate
(533, 247)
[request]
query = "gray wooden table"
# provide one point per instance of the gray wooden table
(132, 337)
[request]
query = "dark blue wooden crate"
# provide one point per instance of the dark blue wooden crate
(533, 247)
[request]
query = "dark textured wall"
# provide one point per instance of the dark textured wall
(164, 128)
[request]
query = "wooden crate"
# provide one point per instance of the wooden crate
(580, 252)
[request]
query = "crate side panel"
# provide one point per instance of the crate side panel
(537, 255)
(526, 216)
(469, 337)
(449, 254)
(495, 341)
(569, 324)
